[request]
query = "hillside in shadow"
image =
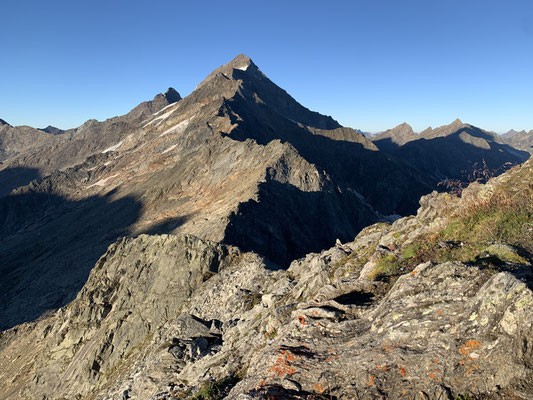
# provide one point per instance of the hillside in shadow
(275, 227)
(49, 244)
(12, 178)
(387, 183)
(455, 155)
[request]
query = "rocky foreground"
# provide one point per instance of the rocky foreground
(433, 306)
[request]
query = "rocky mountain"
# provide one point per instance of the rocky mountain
(238, 161)
(27, 153)
(395, 137)
(511, 133)
(435, 305)
(521, 140)
(52, 129)
(178, 251)
(454, 151)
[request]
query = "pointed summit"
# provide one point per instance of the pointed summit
(243, 82)
(396, 136)
(457, 122)
(172, 95)
(241, 62)
(52, 129)
(404, 127)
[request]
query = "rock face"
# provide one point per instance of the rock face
(27, 153)
(133, 289)
(455, 151)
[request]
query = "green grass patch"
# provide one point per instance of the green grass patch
(489, 231)
(503, 217)
(386, 266)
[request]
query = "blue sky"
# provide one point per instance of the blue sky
(369, 64)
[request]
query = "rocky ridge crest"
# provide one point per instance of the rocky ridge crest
(391, 303)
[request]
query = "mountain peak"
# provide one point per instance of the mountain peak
(241, 61)
(398, 135)
(457, 122)
(172, 95)
(404, 126)
(52, 129)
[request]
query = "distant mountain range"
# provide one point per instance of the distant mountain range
(521, 140)
(449, 152)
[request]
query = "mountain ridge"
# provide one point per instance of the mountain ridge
(173, 170)
(452, 151)
(521, 140)
(236, 243)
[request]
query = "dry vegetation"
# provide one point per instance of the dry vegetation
(492, 230)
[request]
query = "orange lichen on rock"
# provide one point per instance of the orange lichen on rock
(388, 349)
(471, 369)
(318, 388)
(402, 371)
(469, 346)
(282, 365)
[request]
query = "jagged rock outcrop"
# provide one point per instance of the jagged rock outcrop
(135, 287)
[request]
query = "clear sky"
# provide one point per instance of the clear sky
(370, 64)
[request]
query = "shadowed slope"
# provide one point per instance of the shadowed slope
(454, 151)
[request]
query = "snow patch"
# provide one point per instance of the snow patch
(179, 128)
(243, 68)
(113, 148)
(170, 148)
(102, 182)
(164, 108)
(161, 118)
